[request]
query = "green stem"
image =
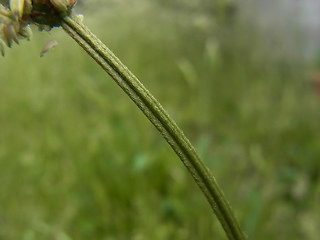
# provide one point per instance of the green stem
(160, 119)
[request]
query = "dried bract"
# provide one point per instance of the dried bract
(49, 45)
(17, 7)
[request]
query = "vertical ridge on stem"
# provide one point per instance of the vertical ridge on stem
(160, 119)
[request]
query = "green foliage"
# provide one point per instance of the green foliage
(79, 161)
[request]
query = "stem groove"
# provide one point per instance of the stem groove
(160, 119)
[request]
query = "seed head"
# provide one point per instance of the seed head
(16, 16)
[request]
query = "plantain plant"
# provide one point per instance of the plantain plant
(16, 16)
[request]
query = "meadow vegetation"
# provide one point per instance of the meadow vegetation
(79, 161)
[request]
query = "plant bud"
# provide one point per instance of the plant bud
(26, 32)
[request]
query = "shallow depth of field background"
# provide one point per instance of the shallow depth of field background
(79, 161)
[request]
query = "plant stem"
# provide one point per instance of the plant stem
(160, 119)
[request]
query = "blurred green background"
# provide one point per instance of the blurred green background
(79, 161)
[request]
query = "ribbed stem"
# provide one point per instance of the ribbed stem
(160, 119)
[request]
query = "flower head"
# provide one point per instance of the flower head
(16, 16)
